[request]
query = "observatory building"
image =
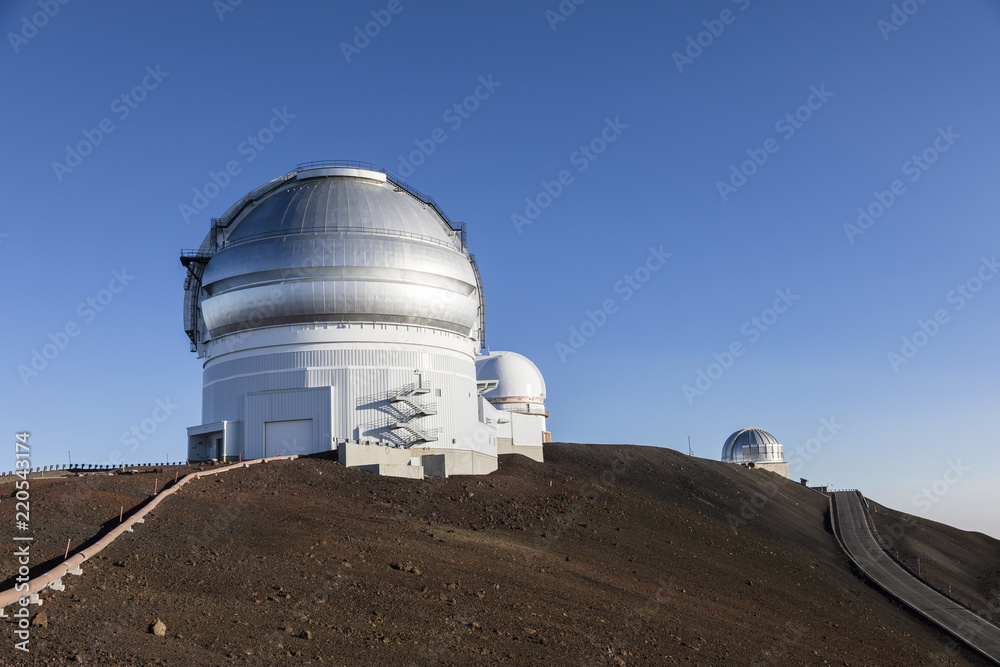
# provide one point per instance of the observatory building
(755, 448)
(516, 389)
(337, 308)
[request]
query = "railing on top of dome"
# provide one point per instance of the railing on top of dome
(251, 196)
(348, 230)
(458, 227)
(357, 164)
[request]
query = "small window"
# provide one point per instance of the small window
(437, 392)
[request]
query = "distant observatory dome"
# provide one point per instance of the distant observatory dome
(520, 386)
(752, 445)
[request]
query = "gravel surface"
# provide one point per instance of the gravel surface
(603, 555)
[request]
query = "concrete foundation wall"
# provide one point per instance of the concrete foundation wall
(392, 470)
(354, 455)
(781, 468)
(461, 462)
(507, 446)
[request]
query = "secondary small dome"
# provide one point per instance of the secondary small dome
(520, 386)
(752, 445)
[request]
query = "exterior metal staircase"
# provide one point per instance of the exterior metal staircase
(408, 396)
(420, 435)
(416, 409)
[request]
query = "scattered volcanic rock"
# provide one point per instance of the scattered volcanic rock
(158, 628)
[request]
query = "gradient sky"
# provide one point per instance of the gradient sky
(683, 118)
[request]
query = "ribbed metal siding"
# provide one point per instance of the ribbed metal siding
(362, 379)
(286, 405)
(370, 358)
(526, 429)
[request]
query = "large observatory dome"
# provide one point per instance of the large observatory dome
(336, 244)
(752, 445)
(338, 309)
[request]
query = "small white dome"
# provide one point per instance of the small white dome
(518, 379)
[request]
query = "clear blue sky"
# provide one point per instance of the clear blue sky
(676, 121)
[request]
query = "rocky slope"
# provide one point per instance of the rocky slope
(961, 563)
(616, 555)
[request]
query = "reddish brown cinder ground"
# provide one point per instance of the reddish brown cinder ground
(602, 555)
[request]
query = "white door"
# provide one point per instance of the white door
(288, 437)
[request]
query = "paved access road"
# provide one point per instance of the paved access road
(864, 549)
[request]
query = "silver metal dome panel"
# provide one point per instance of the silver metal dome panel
(341, 204)
(751, 444)
(301, 256)
(335, 245)
(339, 300)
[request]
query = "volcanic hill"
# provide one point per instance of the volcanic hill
(602, 555)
